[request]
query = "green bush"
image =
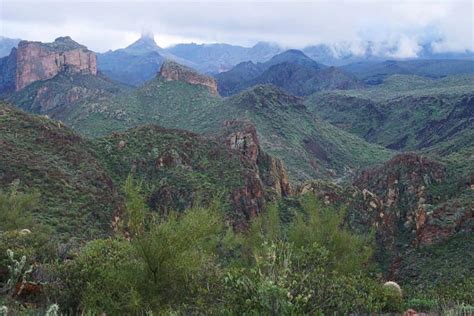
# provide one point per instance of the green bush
(16, 208)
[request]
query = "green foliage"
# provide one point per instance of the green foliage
(312, 266)
(104, 277)
(406, 113)
(176, 169)
(286, 129)
(325, 226)
(18, 271)
(422, 305)
(16, 208)
(135, 207)
(393, 297)
(76, 195)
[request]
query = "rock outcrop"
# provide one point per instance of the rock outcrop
(41, 61)
(33, 61)
(400, 199)
(266, 178)
(172, 71)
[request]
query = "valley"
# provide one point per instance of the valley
(201, 162)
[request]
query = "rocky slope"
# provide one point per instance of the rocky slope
(181, 168)
(79, 181)
(172, 71)
(422, 218)
(308, 146)
(36, 61)
(407, 113)
(58, 97)
(39, 61)
(78, 198)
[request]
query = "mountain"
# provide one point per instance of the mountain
(291, 70)
(181, 168)
(7, 44)
(36, 61)
(78, 198)
(407, 113)
(309, 147)
(79, 180)
(417, 208)
(136, 63)
(52, 78)
(59, 96)
(376, 72)
(215, 58)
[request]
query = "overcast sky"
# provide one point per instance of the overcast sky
(107, 24)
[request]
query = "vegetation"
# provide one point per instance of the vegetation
(75, 195)
(309, 147)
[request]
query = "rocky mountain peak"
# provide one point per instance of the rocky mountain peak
(172, 71)
(146, 43)
(41, 61)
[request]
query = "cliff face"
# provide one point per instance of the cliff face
(38, 61)
(265, 177)
(171, 71)
(400, 199)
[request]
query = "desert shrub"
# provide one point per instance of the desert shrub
(347, 251)
(393, 297)
(16, 208)
(103, 278)
(422, 304)
(301, 268)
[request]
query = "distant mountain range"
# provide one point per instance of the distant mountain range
(291, 70)
(141, 60)
(272, 126)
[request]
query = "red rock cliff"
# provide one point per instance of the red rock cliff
(39, 61)
(172, 71)
(266, 178)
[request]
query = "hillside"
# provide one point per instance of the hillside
(80, 181)
(59, 96)
(405, 112)
(77, 195)
(292, 71)
(308, 147)
(180, 169)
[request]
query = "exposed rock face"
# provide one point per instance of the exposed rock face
(401, 200)
(38, 61)
(266, 177)
(172, 71)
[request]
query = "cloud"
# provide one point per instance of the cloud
(106, 24)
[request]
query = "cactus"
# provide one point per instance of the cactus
(3, 311)
(53, 310)
(17, 272)
(393, 297)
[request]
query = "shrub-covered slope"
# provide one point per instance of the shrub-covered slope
(77, 195)
(406, 113)
(60, 95)
(309, 147)
(180, 169)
